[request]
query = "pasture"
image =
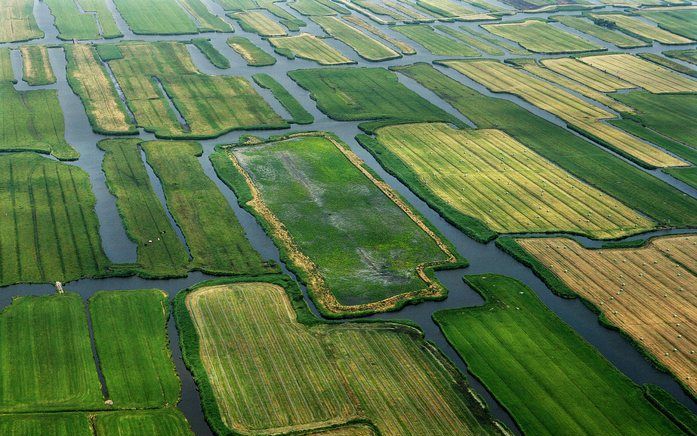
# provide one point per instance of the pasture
(359, 248)
(586, 74)
(314, 7)
(158, 422)
(686, 175)
(640, 72)
(17, 22)
(636, 27)
(74, 24)
(549, 378)
(402, 46)
(357, 94)
(215, 238)
(6, 72)
(48, 230)
(488, 175)
(668, 63)
(511, 48)
(257, 22)
(689, 55)
(89, 79)
(36, 67)
(436, 43)
(40, 424)
(445, 9)
(633, 187)
(250, 52)
(297, 112)
(131, 338)
(310, 47)
(382, 372)
(644, 130)
(642, 291)
(584, 116)
(156, 17)
(366, 47)
(160, 253)
(582, 24)
(680, 20)
(211, 53)
(541, 37)
(468, 39)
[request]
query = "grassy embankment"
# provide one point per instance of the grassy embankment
(402, 46)
(297, 112)
(689, 55)
(36, 67)
(251, 53)
(586, 74)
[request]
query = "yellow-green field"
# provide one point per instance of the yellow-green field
(366, 47)
(17, 21)
(541, 37)
(36, 66)
(635, 26)
(307, 46)
(586, 74)
(257, 22)
(489, 175)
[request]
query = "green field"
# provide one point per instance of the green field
(689, 55)
(470, 40)
(33, 121)
(541, 37)
(687, 175)
(358, 94)
(357, 249)
(36, 66)
(315, 374)
(436, 43)
(541, 370)
(156, 17)
(251, 53)
(46, 357)
(211, 53)
(313, 7)
(645, 132)
(73, 24)
(257, 22)
(131, 339)
(215, 238)
(635, 188)
(6, 72)
(307, 46)
(17, 22)
(681, 21)
(512, 48)
(160, 252)
(366, 47)
(668, 63)
(48, 230)
(41, 424)
(160, 422)
(621, 40)
(297, 112)
(637, 27)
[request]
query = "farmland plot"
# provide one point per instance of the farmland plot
(438, 44)
(36, 67)
(490, 176)
(6, 72)
(642, 129)
(49, 230)
(251, 53)
(630, 185)
(689, 55)
(215, 238)
(82, 19)
(155, 422)
(257, 22)
(541, 37)
(307, 46)
(211, 53)
(668, 63)
(469, 39)
(636, 27)
(512, 48)
(383, 372)
(17, 22)
(402, 46)
(39, 424)
(366, 47)
(585, 25)
(679, 20)
(640, 72)
(645, 292)
(296, 111)
(587, 74)
(582, 115)
(360, 248)
(160, 252)
(313, 7)
(156, 17)
(521, 350)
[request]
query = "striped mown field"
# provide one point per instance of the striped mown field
(489, 175)
(679, 20)
(367, 47)
(271, 373)
(646, 292)
(582, 24)
(154, 422)
(36, 67)
(541, 37)
(586, 74)
(437, 43)
(257, 22)
(251, 53)
(635, 26)
(308, 46)
(17, 22)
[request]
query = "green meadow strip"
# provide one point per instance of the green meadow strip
(297, 112)
(211, 53)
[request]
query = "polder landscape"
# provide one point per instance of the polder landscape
(348, 217)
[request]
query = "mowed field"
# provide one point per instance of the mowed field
(541, 370)
(541, 37)
(257, 22)
(635, 26)
(251, 53)
(586, 74)
(36, 67)
(679, 20)
(645, 292)
(488, 175)
(359, 247)
(366, 47)
(17, 22)
(72, 23)
(438, 44)
(307, 46)
(402, 46)
(255, 353)
(689, 55)
(158, 422)
(156, 17)
(621, 40)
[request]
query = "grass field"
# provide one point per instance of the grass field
(640, 72)
(156, 17)
(36, 67)
(445, 8)
(211, 53)
(131, 339)
(436, 43)
(257, 22)
(586, 74)
(359, 248)
(470, 40)
(251, 53)
(541, 37)
(402, 46)
(160, 252)
(320, 374)
(307, 46)
(668, 63)
(541, 370)
(680, 20)
(46, 357)
(90, 80)
(49, 228)
(687, 175)
(159, 422)
(40, 424)
(490, 176)
(689, 55)
(73, 23)
(633, 187)
(621, 40)
(33, 121)
(17, 22)
(297, 112)
(366, 47)
(6, 72)
(512, 48)
(215, 238)
(357, 94)
(347, 430)
(642, 291)
(313, 7)
(584, 116)
(634, 26)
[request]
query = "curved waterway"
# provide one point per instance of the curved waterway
(483, 258)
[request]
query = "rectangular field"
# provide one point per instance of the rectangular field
(359, 247)
(586, 74)
(679, 20)
(436, 43)
(36, 66)
(621, 40)
(82, 19)
(257, 22)
(470, 40)
(154, 422)
(644, 291)
(490, 176)
(635, 26)
(318, 375)
(39, 424)
(307, 46)
(541, 37)
(366, 47)
(250, 52)
(312, 7)
(17, 22)
(522, 351)
(156, 17)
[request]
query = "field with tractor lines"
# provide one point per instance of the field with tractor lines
(250, 52)
(402, 46)
(156, 422)
(310, 47)
(257, 22)
(541, 37)
(36, 67)
(679, 20)
(635, 26)
(586, 74)
(621, 40)
(366, 47)
(643, 291)
(156, 17)
(312, 8)
(436, 43)
(17, 22)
